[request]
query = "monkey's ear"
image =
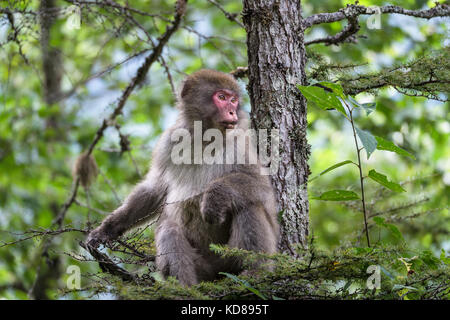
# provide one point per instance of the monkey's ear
(187, 86)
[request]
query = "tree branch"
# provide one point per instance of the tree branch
(101, 73)
(107, 265)
(142, 71)
(15, 33)
(138, 78)
(427, 76)
(240, 72)
(346, 35)
(353, 10)
(228, 15)
(114, 5)
(180, 10)
(31, 234)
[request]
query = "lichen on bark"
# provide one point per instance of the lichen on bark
(277, 59)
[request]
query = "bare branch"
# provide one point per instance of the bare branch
(108, 69)
(24, 12)
(142, 71)
(115, 5)
(139, 77)
(107, 265)
(228, 15)
(353, 10)
(346, 35)
(227, 60)
(15, 33)
(239, 72)
(85, 205)
(70, 200)
(180, 10)
(31, 234)
(108, 182)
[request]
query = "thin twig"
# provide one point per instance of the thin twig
(346, 35)
(107, 265)
(228, 15)
(180, 10)
(361, 178)
(353, 11)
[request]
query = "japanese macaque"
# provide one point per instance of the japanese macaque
(200, 203)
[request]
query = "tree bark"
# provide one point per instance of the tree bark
(276, 55)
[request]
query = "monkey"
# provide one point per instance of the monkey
(198, 204)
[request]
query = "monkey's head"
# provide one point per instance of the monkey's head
(212, 97)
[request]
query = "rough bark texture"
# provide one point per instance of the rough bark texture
(276, 55)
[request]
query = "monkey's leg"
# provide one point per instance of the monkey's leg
(248, 202)
(175, 256)
(251, 231)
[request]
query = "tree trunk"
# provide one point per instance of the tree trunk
(51, 59)
(48, 269)
(276, 56)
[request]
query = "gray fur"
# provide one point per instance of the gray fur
(198, 204)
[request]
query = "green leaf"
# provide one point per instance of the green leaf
(337, 89)
(383, 144)
(362, 250)
(394, 231)
(429, 259)
(368, 107)
(337, 165)
(383, 180)
(157, 276)
(353, 102)
(322, 98)
(379, 221)
(444, 258)
(392, 228)
(337, 195)
(245, 284)
(400, 286)
(346, 286)
(368, 140)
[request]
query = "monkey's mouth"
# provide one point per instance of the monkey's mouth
(228, 125)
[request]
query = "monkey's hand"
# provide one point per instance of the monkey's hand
(97, 237)
(216, 205)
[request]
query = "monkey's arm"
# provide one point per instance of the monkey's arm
(142, 203)
(233, 193)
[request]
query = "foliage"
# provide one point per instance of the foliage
(342, 274)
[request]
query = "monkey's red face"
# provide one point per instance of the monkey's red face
(227, 103)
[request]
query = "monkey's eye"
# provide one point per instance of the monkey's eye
(233, 100)
(221, 97)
